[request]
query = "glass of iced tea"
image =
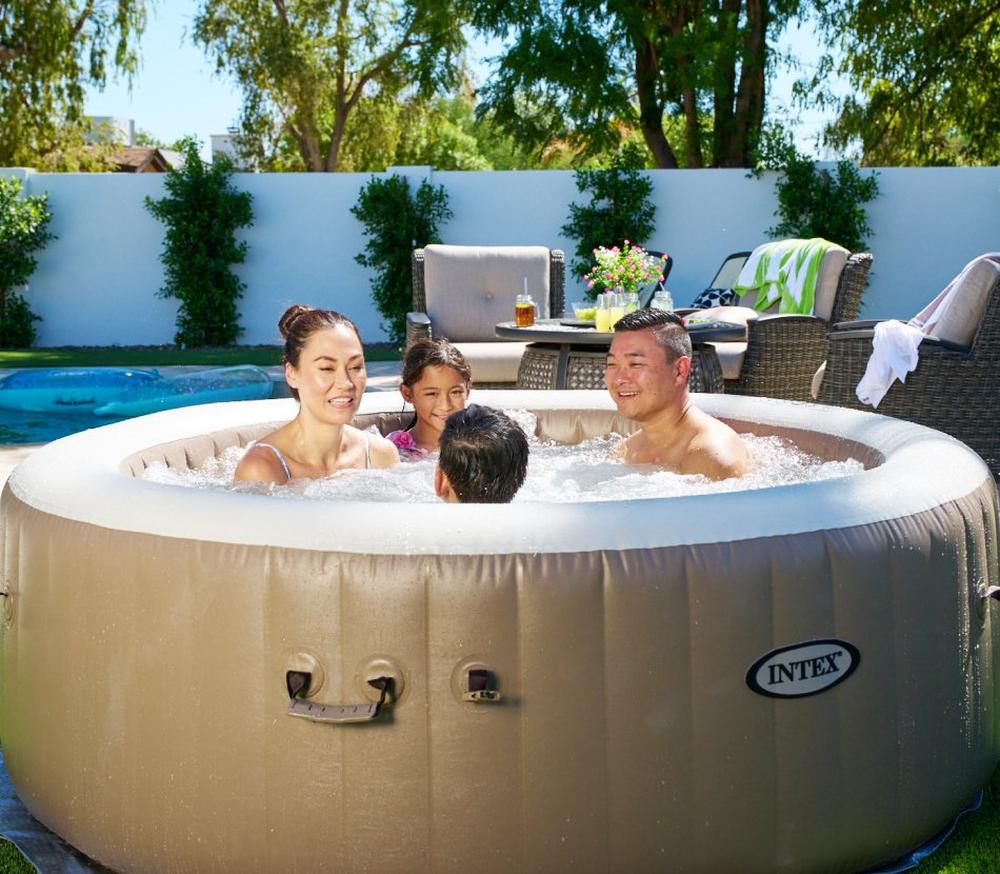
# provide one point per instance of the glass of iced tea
(524, 311)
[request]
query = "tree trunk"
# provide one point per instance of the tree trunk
(750, 96)
(650, 109)
(692, 127)
(724, 128)
(337, 137)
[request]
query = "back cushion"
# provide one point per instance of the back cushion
(471, 288)
(830, 269)
(961, 319)
(827, 281)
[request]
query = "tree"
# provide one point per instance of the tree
(48, 52)
(202, 213)
(578, 70)
(24, 225)
(926, 78)
(306, 65)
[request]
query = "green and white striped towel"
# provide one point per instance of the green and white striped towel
(785, 271)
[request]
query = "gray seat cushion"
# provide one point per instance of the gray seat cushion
(469, 289)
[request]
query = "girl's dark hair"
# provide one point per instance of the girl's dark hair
(433, 353)
(298, 323)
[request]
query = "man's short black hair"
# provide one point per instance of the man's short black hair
(667, 327)
(484, 454)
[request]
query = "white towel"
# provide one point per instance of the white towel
(894, 345)
(894, 355)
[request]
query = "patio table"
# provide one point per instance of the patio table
(561, 355)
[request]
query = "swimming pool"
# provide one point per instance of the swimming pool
(17, 426)
(44, 404)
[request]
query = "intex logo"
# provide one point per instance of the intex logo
(803, 668)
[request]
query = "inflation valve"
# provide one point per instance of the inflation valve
(480, 682)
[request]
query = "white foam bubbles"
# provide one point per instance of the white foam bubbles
(589, 471)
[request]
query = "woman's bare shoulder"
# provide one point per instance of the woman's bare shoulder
(260, 464)
(383, 452)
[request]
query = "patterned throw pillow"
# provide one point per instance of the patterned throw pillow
(716, 297)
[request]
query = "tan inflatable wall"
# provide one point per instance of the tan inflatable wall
(144, 698)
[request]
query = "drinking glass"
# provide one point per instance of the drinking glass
(662, 301)
(602, 314)
(631, 299)
(617, 308)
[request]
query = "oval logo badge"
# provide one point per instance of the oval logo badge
(803, 668)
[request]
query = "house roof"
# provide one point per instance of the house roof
(140, 159)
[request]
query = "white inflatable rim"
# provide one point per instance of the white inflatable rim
(79, 478)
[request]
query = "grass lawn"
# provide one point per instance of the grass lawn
(162, 356)
(973, 848)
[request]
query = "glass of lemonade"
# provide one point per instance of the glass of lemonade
(602, 313)
(617, 308)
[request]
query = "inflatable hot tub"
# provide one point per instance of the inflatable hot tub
(801, 678)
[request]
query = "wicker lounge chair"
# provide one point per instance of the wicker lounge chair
(462, 292)
(955, 387)
(782, 352)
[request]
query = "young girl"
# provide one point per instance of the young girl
(325, 369)
(436, 380)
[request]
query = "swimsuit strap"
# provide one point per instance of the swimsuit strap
(368, 450)
(281, 458)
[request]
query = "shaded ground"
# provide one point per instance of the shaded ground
(153, 356)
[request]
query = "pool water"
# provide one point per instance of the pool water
(17, 426)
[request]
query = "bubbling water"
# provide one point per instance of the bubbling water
(588, 471)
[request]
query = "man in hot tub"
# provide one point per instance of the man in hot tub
(647, 374)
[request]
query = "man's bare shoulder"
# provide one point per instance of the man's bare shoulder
(716, 450)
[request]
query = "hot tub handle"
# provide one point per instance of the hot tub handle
(298, 684)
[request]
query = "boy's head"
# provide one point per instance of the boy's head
(484, 457)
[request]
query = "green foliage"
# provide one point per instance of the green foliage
(815, 202)
(924, 87)
(202, 214)
(17, 329)
(620, 209)
(24, 225)
(49, 52)
(306, 68)
(585, 72)
(395, 223)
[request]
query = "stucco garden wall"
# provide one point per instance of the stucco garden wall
(97, 283)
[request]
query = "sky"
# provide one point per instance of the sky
(177, 92)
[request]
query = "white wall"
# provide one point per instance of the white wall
(96, 284)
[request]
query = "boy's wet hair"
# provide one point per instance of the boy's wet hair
(667, 327)
(484, 454)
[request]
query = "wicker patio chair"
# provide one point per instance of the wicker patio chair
(955, 387)
(462, 292)
(782, 352)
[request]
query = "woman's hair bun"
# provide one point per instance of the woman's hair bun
(290, 315)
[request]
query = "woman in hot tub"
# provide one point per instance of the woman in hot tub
(325, 369)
